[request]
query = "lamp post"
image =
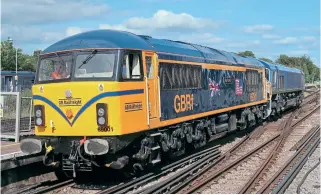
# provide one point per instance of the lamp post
(16, 77)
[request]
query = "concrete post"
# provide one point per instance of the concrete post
(18, 110)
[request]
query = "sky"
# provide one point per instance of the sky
(268, 28)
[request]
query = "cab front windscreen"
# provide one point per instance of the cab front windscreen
(78, 65)
(95, 65)
(55, 68)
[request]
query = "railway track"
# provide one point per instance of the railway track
(282, 179)
(45, 187)
(209, 155)
(195, 180)
(260, 177)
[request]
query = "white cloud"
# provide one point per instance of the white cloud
(119, 27)
(72, 30)
(286, 40)
(33, 34)
(48, 11)
(242, 44)
(270, 36)
(309, 38)
(29, 34)
(261, 28)
(164, 20)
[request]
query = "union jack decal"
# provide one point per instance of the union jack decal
(213, 86)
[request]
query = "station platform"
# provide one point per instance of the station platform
(9, 150)
(12, 157)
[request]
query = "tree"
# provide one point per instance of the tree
(304, 63)
(8, 58)
(266, 60)
(246, 53)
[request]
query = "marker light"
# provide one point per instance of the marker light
(101, 121)
(102, 112)
(38, 121)
(38, 113)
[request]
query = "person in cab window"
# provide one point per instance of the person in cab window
(60, 73)
(56, 74)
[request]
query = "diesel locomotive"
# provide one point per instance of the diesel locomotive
(122, 101)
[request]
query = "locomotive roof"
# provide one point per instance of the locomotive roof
(194, 50)
(288, 69)
(100, 39)
(269, 65)
(121, 39)
(274, 66)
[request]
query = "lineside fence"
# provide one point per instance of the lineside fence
(16, 112)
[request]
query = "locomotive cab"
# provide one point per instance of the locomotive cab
(83, 86)
(87, 95)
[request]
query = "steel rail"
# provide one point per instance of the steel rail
(302, 141)
(224, 169)
(311, 94)
(283, 178)
(287, 130)
(136, 182)
(298, 189)
(53, 187)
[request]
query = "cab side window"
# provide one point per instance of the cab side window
(131, 67)
(274, 77)
(267, 75)
(149, 67)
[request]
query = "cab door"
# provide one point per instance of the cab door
(268, 84)
(150, 68)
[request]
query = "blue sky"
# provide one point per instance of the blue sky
(268, 28)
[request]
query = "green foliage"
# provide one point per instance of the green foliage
(304, 63)
(8, 58)
(266, 60)
(246, 53)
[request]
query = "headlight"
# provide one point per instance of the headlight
(101, 112)
(101, 120)
(38, 113)
(38, 121)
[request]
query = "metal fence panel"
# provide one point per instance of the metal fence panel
(16, 115)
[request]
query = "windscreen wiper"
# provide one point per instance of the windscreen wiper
(89, 57)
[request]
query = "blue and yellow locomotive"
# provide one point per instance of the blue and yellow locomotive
(114, 99)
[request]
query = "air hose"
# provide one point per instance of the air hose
(48, 151)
